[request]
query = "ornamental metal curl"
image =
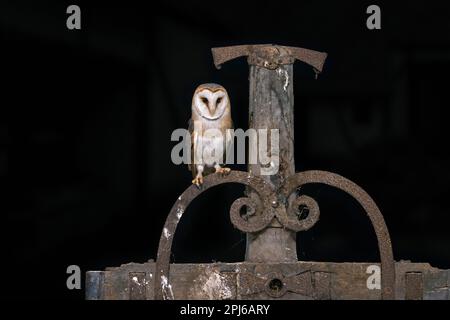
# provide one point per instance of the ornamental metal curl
(289, 218)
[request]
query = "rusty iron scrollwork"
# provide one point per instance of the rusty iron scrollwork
(266, 208)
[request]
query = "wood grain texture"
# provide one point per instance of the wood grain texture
(271, 106)
(305, 280)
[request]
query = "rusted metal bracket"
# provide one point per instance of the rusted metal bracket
(307, 285)
(270, 207)
(269, 56)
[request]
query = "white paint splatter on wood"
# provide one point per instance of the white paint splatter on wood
(166, 288)
(166, 233)
(211, 285)
(180, 212)
(282, 72)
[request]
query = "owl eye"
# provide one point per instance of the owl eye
(204, 100)
(219, 100)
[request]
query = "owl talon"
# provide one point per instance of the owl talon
(223, 171)
(198, 181)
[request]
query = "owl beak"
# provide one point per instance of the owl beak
(212, 109)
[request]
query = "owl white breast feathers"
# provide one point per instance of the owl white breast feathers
(210, 119)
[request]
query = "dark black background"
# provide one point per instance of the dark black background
(86, 118)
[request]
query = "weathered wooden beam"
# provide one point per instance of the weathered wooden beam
(245, 280)
(272, 107)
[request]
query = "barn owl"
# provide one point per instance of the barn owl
(210, 119)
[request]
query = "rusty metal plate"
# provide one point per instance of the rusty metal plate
(269, 56)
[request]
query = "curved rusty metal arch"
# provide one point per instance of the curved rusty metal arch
(268, 195)
(375, 216)
(264, 189)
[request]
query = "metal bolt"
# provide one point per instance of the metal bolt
(274, 203)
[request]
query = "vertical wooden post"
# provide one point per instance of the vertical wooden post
(272, 107)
